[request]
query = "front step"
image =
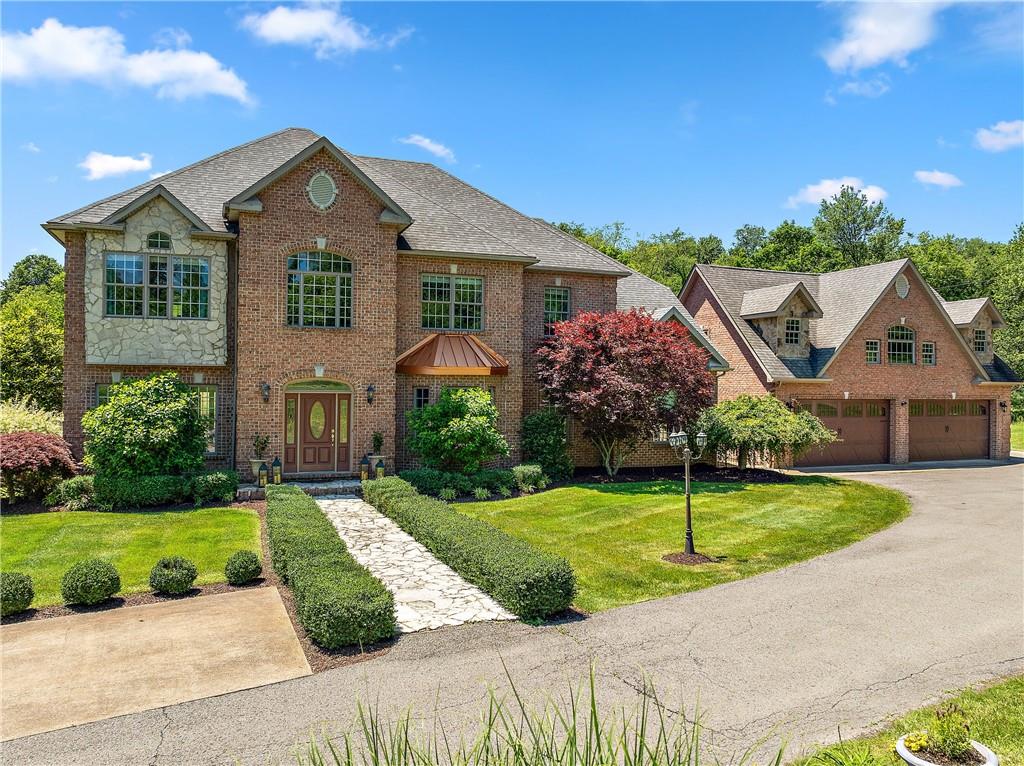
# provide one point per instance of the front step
(248, 492)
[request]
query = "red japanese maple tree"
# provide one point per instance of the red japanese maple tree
(622, 376)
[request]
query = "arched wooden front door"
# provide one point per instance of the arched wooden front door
(317, 428)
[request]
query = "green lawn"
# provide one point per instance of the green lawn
(1017, 435)
(614, 535)
(996, 716)
(45, 545)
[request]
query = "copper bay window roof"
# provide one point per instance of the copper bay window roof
(451, 354)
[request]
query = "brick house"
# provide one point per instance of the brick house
(315, 297)
(899, 373)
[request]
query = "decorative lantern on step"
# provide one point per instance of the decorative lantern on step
(275, 468)
(262, 476)
(364, 468)
(380, 468)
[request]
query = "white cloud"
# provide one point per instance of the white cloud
(102, 165)
(158, 174)
(876, 32)
(53, 51)
(1001, 136)
(873, 88)
(320, 27)
(434, 147)
(937, 178)
(172, 37)
(826, 188)
(31, 147)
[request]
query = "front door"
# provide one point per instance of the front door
(319, 431)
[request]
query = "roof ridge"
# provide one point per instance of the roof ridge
(160, 179)
(770, 271)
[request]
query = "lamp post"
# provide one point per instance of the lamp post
(680, 442)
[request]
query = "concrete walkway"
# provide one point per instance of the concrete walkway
(86, 667)
(875, 629)
(428, 594)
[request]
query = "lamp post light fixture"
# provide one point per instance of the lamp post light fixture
(680, 442)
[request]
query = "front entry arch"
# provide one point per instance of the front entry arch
(317, 427)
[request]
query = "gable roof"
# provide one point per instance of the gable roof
(772, 300)
(966, 311)
(441, 214)
(844, 297)
(640, 291)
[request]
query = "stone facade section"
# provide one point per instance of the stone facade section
(773, 330)
(116, 340)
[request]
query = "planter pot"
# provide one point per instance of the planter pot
(991, 759)
(373, 464)
(254, 466)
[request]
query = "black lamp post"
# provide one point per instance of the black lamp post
(680, 442)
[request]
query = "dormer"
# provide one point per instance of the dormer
(975, 319)
(780, 315)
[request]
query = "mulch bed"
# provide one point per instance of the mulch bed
(688, 559)
(698, 472)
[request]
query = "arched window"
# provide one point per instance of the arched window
(158, 240)
(901, 345)
(319, 290)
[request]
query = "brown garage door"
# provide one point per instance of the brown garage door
(863, 429)
(948, 429)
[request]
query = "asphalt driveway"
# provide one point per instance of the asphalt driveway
(849, 638)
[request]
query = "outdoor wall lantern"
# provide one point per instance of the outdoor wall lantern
(364, 468)
(680, 442)
(371, 390)
(265, 391)
(1002, 406)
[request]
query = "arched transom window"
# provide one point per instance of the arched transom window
(158, 240)
(901, 345)
(319, 290)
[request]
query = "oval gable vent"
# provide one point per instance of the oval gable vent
(902, 286)
(322, 190)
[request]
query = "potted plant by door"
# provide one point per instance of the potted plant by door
(375, 456)
(260, 442)
(946, 742)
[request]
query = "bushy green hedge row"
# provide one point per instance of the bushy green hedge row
(524, 580)
(497, 481)
(146, 491)
(338, 601)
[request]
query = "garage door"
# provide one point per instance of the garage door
(948, 429)
(863, 429)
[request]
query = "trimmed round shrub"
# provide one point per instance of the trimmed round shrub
(214, 485)
(32, 463)
(16, 593)
(173, 575)
(243, 567)
(90, 582)
(74, 494)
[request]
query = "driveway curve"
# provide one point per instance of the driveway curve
(887, 624)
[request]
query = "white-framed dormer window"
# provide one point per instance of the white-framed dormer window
(980, 341)
(792, 333)
(158, 240)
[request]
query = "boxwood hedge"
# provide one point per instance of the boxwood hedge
(338, 601)
(531, 583)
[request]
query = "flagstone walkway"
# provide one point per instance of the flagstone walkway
(428, 593)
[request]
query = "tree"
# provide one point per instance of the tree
(666, 258)
(862, 232)
(945, 265)
(458, 433)
(32, 346)
(748, 240)
(33, 270)
(610, 239)
(622, 376)
(761, 427)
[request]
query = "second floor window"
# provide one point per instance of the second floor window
(980, 341)
(157, 286)
(928, 352)
(449, 302)
(319, 290)
(792, 336)
(556, 307)
(901, 345)
(873, 351)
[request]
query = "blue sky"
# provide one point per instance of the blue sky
(703, 116)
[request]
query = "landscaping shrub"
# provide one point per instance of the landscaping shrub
(482, 493)
(74, 494)
(524, 580)
(430, 481)
(16, 593)
(173, 575)
(214, 485)
(139, 491)
(951, 733)
(90, 582)
(243, 567)
(494, 479)
(31, 463)
(529, 477)
(22, 415)
(546, 443)
(338, 601)
(150, 427)
(458, 433)
(448, 494)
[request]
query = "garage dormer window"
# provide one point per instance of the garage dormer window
(792, 335)
(901, 345)
(158, 240)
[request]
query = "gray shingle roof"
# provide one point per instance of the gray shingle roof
(768, 300)
(448, 214)
(963, 312)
